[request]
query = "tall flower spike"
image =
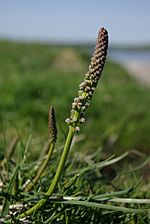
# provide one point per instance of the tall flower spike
(87, 87)
(52, 125)
(77, 113)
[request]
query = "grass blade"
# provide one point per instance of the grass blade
(5, 208)
(104, 206)
(102, 164)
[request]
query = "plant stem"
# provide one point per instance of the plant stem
(57, 175)
(42, 168)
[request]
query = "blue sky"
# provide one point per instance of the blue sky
(75, 20)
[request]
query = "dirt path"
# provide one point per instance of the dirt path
(139, 70)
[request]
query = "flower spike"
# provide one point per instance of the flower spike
(87, 87)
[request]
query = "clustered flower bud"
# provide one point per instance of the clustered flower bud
(52, 125)
(87, 87)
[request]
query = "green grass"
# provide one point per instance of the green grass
(88, 190)
(32, 78)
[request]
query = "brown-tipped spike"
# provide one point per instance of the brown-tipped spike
(52, 125)
(87, 87)
(99, 56)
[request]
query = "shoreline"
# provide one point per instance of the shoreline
(140, 70)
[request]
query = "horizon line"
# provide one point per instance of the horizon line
(71, 42)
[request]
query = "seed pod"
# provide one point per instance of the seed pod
(52, 125)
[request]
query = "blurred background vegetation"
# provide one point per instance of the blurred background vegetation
(35, 76)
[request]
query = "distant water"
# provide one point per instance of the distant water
(125, 56)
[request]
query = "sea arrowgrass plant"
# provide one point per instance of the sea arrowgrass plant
(79, 106)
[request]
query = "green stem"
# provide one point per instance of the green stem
(57, 175)
(42, 168)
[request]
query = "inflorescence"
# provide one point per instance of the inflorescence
(87, 87)
(52, 125)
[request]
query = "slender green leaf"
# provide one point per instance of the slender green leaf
(104, 206)
(6, 203)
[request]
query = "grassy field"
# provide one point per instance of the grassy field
(32, 78)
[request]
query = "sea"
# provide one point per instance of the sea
(125, 56)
